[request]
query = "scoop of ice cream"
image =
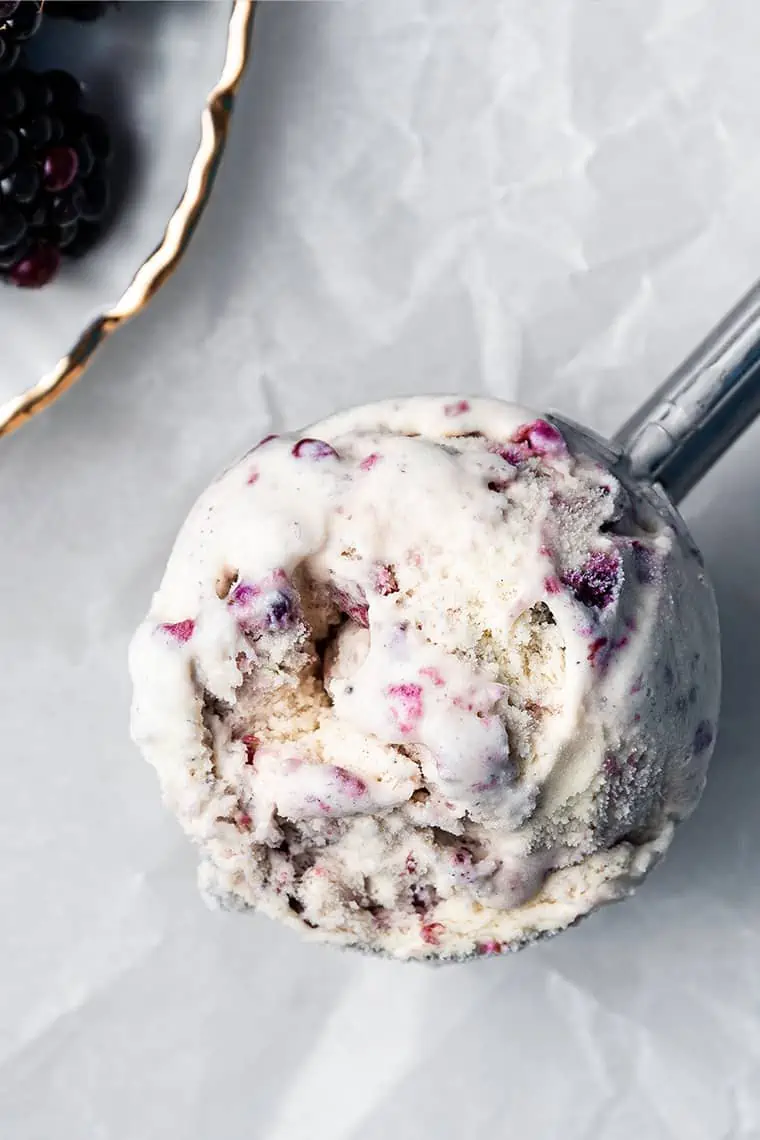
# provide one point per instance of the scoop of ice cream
(422, 681)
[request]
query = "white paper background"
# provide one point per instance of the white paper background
(549, 199)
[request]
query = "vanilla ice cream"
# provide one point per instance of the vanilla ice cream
(420, 680)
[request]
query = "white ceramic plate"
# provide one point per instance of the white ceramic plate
(164, 74)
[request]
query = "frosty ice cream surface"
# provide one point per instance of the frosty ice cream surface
(422, 681)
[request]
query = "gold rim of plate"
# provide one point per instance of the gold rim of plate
(215, 121)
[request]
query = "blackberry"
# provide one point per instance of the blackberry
(54, 189)
(19, 20)
(85, 11)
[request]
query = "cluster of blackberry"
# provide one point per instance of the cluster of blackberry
(54, 154)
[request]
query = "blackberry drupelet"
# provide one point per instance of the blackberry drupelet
(19, 20)
(54, 189)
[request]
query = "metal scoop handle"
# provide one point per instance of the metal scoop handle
(701, 409)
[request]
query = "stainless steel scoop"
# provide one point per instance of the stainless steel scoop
(693, 418)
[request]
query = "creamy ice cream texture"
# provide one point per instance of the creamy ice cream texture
(420, 680)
